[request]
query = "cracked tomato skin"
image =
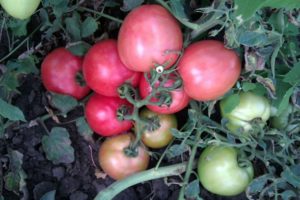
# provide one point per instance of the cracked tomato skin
(59, 72)
(116, 163)
(20, 9)
(208, 70)
(220, 173)
(179, 97)
(101, 115)
(146, 34)
(103, 70)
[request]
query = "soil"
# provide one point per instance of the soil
(75, 181)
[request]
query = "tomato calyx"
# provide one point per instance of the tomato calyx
(131, 151)
(151, 123)
(80, 79)
(123, 113)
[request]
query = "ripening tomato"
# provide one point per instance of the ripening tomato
(20, 9)
(114, 161)
(103, 70)
(157, 132)
(101, 114)
(208, 70)
(250, 107)
(149, 35)
(179, 99)
(61, 73)
(220, 173)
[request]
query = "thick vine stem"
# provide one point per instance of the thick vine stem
(115, 188)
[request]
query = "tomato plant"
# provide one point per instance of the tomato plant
(156, 132)
(178, 98)
(20, 9)
(114, 161)
(103, 70)
(61, 73)
(220, 173)
(208, 70)
(149, 36)
(250, 107)
(102, 114)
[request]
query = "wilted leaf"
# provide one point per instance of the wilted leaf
(230, 103)
(253, 61)
(11, 112)
(268, 84)
(49, 195)
(57, 146)
(64, 103)
(192, 189)
(88, 27)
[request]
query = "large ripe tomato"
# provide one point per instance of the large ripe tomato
(116, 163)
(61, 71)
(146, 35)
(20, 9)
(101, 115)
(179, 98)
(220, 173)
(103, 70)
(208, 70)
(250, 107)
(157, 132)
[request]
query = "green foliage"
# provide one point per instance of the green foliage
(11, 112)
(63, 103)
(49, 195)
(57, 146)
(83, 127)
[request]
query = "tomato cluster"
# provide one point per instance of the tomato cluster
(140, 81)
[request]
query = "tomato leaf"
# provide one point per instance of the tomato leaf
(83, 127)
(178, 9)
(49, 195)
(293, 76)
(192, 189)
(283, 97)
(57, 146)
(288, 194)
(252, 38)
(231, 102)
(176, 150)
(246, 86)
(12, 181)
(130, 4)
(79, 48)
(88, 27)
(292, 175)
(73, 26)
(258, 184)
(18, 27)
(11, 112)
(64, 103)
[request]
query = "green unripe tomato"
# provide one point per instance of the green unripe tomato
(20, 9)
(282, 120)
(250, 107)
(220, 173)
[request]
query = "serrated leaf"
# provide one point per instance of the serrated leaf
(12, 181)
(80, 48)
(176, 150)
(230, 103)
(83, 127)
(288, 195)
(292, 175)
(11, 112)
(73, 26)
(248, 86)
(64, 103)
(131, 4)
(258, 184)
(88, 27)
(293, 76)
(18, 27)
(49, 195)
(192, 190)
(57, 146)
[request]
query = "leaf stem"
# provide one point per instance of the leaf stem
(110, 192)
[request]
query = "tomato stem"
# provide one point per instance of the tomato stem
(110, 192)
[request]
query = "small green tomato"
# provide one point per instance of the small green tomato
(250, 107)
(20, 9)
(220, 173)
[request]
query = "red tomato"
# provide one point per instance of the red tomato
(146, 35)
(60, 70)
(103, 70)
(208, 70)
(116, 163)
(101, 115)
(179, 98)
